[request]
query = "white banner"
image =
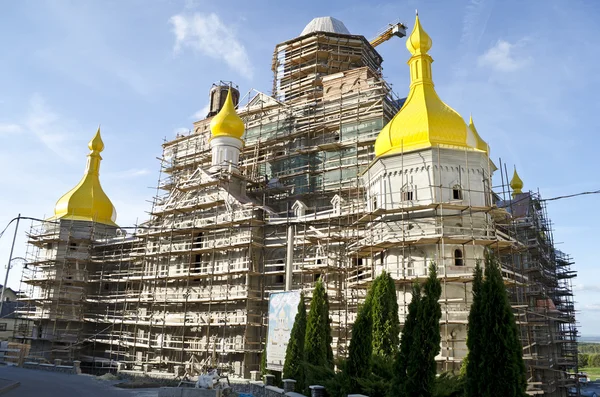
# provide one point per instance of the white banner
(283, 307)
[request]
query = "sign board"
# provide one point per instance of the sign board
(283, 307)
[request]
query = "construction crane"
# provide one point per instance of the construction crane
(393, 29)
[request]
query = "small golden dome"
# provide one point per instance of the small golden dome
(227, 122)
(419, 41)
(87, 201)
(96, 143)
(481, 144)
(516, 184)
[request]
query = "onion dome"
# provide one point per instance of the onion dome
(227, 122)
(424, 120)
(87, 201)
(516, 184)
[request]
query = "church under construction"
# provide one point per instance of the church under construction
(330, 177)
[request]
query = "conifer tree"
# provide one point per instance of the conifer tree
(293, 367)
(401, 382)
(317, 344)
(430, 315)
(415, 367)
(475, 342)
(360, 350)
(502, 370)
(386, 324)
(263, 361)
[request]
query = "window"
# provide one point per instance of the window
(2, 326)
(280, 278)
(458, 257)
(374, 202)
(408, 192)
(457, 192)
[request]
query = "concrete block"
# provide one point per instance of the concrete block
(255, 376)
(274, 391)
(317, 391)
(294, 394)
(289, 385)
(269, 379)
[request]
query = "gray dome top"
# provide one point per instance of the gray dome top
(325, 24)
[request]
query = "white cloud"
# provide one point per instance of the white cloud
(48, 127)
(10, 128)
(208, 35)
(502, 58)
(201, 114)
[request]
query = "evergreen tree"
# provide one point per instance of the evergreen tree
(498, 368)
(263, 361)
(475, 342)
(360, 350)
(293, 367)
(386, 324)
(415, 367)
(317, 345)
(430, 315)
(401, 382)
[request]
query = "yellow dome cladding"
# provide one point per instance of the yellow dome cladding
(87, 201)
(481, 144)
(516, 184)
(227, 122)
(424, 120)
(419, 41)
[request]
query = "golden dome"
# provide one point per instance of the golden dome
(87, 201)
(424, 120)
(481, 144)
(516, 184)
(419, 41)
(227, 122)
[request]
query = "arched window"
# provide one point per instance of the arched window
(280, 278)
(457, 192)
(458, 257)
(408, 193)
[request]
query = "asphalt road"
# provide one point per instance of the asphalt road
(36, 383)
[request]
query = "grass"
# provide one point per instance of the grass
(593, 372)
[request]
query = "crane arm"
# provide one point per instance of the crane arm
(396, 29)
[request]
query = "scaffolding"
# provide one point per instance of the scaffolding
(191, 285)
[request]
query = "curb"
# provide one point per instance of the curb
(9, 387)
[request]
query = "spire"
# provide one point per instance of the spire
(87, 201)
(480, 143)
(425, 120)
(227, 122)
(516, 184)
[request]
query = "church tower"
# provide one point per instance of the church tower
(61, 276)
(428, 191)
(226, 141)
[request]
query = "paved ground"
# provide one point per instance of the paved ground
(48, 384)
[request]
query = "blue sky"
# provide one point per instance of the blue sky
(526, 70)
